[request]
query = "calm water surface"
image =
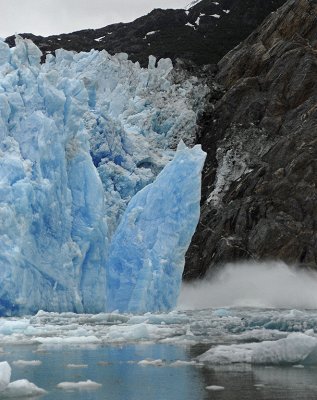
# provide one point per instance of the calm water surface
(116, 368)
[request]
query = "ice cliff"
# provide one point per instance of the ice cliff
(80, 136)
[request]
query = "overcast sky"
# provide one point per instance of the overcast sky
(47, 17)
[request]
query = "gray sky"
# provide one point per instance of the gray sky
(47, 17)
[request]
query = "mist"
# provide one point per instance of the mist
(261, 285)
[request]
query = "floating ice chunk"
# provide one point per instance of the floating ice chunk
(99, 38)
(297, 348)
(26, 363)
(222, 312)
(5, 375)
(76, 366)
(139, 332)
(22, 388)
(159, 319)
(215, 15)
(156, 363)
(82, 385)
(9, 327)
(147, 253)
(181, 363)
(215, 388)
(66, 341)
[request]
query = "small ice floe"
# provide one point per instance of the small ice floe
(20, 388)
(82, 385)
(215, 388)
(155, 363)
(26, 363)
(295, 349)
(215, 15)
(226, 11)
(69, 341)
(5, 375)
(215, 3)
(76, 366)
(182, 363)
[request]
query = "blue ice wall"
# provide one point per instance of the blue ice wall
(80, 135)
(147, 253)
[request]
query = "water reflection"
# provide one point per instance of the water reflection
(117, 369)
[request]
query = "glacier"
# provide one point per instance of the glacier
(87, 167)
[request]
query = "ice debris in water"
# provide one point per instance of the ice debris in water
(82, 385)
(17, 389)
(80, 135)
(5, 375)
(297, 348)
(215, 388)
(27, 363)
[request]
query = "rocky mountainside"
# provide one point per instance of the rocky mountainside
(203, 34)
(260, 185)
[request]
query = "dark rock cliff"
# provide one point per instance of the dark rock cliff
(260, 179)
(202, 35)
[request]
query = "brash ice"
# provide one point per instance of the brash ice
(96, 208)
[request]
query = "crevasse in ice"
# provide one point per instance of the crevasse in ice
(80, 135)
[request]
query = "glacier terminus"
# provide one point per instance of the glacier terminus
(97, 207)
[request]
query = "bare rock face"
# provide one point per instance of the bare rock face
(201, 35)
(259, 186)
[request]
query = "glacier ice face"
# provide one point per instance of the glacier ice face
(80, 135)
(147, 253)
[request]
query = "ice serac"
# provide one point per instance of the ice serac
(80, 135)
(147, 254)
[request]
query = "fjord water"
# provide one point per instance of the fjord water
(121, 379)
(263, 353)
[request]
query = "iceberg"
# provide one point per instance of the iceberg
(296, 348)
(16, 389)
(84, 139)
